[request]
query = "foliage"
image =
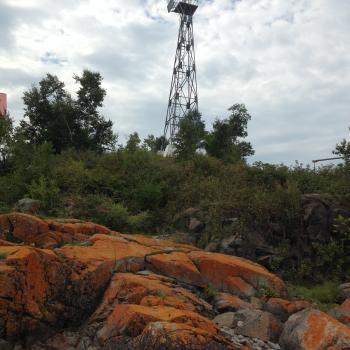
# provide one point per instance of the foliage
(55, 117)
(6, 134)
(210, 292)
(263, 291)
(190, 133)
(225, 141)
(324, 295)
(342, 149)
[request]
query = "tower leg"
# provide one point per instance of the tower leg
(183, 96)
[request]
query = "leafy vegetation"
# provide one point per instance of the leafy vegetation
(325, 295)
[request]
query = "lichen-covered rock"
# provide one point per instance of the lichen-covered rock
(314, 330)
(173, 336)
(342, 312)
(257, 324)
(130, 320)
(92, 288)
(228, 302)
(234, 275)
(282, 309)
(147, 290)
(344, 290)
(177, 265)
(32, 282)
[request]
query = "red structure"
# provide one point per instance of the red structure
(3, 104)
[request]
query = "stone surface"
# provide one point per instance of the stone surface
(282, 309)
(342, 313)
(314, 330)
(225, 320)
(68, 284)
(228, 302)
(234, 275)
(131, 320)
(344, 290)
(28, 206)
(257, 324)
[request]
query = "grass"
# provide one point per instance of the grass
(79, 244)
(325, 295)
(3, 256)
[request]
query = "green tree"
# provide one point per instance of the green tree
(133, 143)
(96, 132)
(6, 137)
(54, 116)
(342, 149)
(190, 134)
(225, 141)
(154, 144)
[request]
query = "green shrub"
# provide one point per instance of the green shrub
(45, 190)
(325, 295)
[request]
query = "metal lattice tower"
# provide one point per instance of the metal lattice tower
(183, 96)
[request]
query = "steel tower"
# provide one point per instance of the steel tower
(183, 96)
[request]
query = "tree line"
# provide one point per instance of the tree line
(52, 115)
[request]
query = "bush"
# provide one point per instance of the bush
(325, 295)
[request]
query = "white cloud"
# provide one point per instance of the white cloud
(288, 61)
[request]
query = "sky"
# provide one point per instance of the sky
(288, 61)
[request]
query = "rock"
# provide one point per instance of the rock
(176, 265)
(342, 313)
(173, 336)
(320, 210)
(257, 324)
(120, 291)
(225, 320)
(130, 320)
(234, 275)
(314, 330)
(29, 278)
(282, 309)
(28, 206)
(344, 290)
(151, 290)
(18, 228)
(213, 246)
(195, 225)
(228, 302)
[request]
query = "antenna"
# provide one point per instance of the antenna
(183, 96)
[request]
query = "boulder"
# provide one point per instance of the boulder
(32, 282)
(225, 320)
(314, 330)
(342, 313)
(172, 336)
(234, 275)
(282, 309)
(257, 324)
(227, 302)
(130, 320)
(177, 265)
(147, 290)
(344, 290)
(28, 206)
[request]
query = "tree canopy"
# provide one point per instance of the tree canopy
(54, 116)
(191, 133)
(225, 141)
(342, 149)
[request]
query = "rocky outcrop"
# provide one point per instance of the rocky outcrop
(66, 284)
(314, 330)
(342, 313)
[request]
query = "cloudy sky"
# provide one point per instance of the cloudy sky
(287, 60)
